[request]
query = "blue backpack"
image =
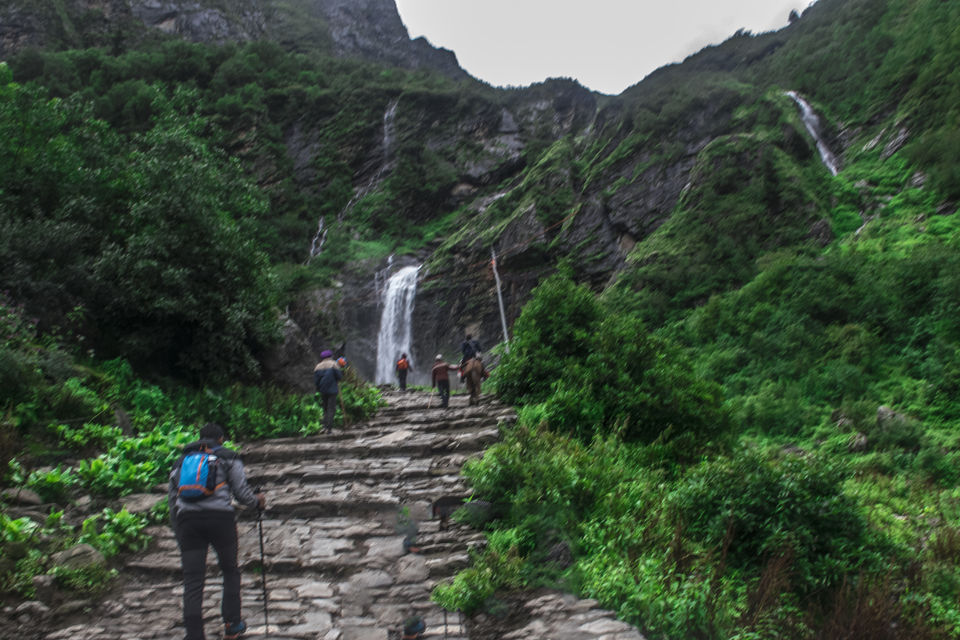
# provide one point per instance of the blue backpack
(198, 474)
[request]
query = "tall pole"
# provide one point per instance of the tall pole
(503, 315)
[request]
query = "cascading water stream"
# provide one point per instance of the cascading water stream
(396, 320)
(812, 122)
(389, 130)
(386, 159)
(319, 239)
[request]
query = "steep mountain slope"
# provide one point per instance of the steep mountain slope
(739, 386)
(689, 176)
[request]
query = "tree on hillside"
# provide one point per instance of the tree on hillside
(135, 245)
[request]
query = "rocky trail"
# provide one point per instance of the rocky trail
(339, 507)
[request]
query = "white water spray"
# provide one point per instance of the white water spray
(396, 322)
(812, 122)
(319, 239)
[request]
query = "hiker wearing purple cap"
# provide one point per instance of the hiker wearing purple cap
(326, 375)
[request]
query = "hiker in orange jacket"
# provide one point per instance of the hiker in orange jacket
(403, 366)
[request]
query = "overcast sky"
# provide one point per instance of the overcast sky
(607, 45)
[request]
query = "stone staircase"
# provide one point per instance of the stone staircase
(338, 508)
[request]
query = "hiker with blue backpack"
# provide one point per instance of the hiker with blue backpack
(201, 485)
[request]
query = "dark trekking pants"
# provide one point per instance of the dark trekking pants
(403, 379)
(329, 403)
(195, 532)
(443, 387)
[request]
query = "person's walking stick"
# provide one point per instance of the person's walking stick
(263, 572)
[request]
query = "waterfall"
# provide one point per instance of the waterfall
(812, 122)
(386, 159)
(389, 130)
(316, 246)
(396, 322)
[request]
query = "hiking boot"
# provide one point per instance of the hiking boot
(233, 630)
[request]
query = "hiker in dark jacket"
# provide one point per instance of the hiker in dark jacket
(440, 375)
(469, 348)
(326, 376)
(202, 522)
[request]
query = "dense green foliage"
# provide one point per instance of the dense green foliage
(818, 313)
(596, 371)
(69, 429)
(749, 432)
(134, 246)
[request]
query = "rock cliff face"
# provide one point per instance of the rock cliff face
(366, 29)
(372, 30)
(488, 142)
(485, 141)
(194, 21)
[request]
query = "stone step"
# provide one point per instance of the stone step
(443, 418)
(371, 604)
(326, 500)
(337, 546)
(372, 444)
(390, 468)
(339, 506)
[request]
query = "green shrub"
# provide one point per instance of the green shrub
(88, 435)
(638, 386)
(92, 580)
(112, 532)
(491, 570)
(553, 330)
(598, 371)
(757, 508)
(53, 485)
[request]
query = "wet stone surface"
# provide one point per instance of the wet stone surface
(336, 568)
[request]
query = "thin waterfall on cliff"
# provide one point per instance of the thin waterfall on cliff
(389, 131)
(396, 322)
(319, 239)
(386, 159)
(812, 122)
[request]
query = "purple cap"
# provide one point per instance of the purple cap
(326, 354)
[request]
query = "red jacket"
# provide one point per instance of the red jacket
(441, 371)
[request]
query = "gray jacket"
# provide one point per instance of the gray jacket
(229, 472)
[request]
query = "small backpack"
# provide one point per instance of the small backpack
(402, 364)
(198, 475)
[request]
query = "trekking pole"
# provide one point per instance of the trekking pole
(263, 570)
